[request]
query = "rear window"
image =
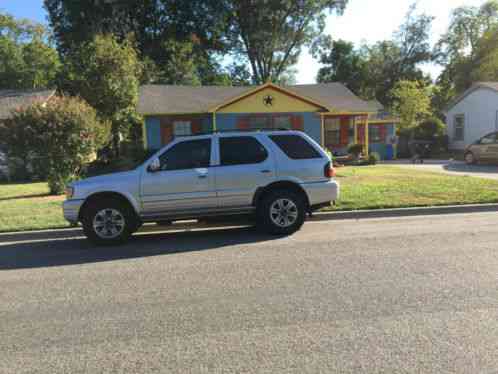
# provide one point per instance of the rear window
(295, 147)
(241, 150)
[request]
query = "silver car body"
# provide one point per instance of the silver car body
(215, 190)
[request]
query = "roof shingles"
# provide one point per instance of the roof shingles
(15, 99)
(164, 99)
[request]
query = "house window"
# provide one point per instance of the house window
(375, 134)
(282, 122)
(459, 128)
(259, 122)
(332, 131)
(182, 128)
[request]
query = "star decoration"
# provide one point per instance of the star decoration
(268, 100)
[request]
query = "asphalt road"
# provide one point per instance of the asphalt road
(414, 295)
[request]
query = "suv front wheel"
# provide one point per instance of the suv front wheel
(281, 212)
(108, 222)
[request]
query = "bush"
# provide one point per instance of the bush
(355, 149)
(373, 158)
(430, 129)
(65, 133)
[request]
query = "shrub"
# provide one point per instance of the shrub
(430, 129)
(355, 149)
(373, 158)
(65, 133)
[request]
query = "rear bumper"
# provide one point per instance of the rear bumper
(71, 209)
(322, 192)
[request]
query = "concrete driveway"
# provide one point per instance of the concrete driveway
(450, 167)
(404, 295)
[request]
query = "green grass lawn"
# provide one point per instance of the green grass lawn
(28, 206)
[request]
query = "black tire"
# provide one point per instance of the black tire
(470, 159)
(129, 221)
(268, 224)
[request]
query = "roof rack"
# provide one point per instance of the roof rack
(230, 131)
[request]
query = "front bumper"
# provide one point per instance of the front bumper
(71, 209)
(322, 192)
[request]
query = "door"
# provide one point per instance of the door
(184, 183)
(245, 165)
(492, 148)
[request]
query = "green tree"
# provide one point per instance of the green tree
(342, 63)
(466, 50)
(271, 34)
(160, 28)
(105, 73)
(411, 102)
(372, 71)
(27, 60)
(64, 134)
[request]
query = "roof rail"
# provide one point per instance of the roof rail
(230, 131)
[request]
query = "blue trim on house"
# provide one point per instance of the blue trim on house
(153, 128)
(312, 122)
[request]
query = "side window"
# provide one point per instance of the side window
(295, 147)
(488, 139)
(459, 128)
(241, 150)
(187, 155)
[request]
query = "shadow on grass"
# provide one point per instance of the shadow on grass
(74, 251)
(28, 196)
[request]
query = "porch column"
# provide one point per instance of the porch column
(355, 128)
(322, 133)
(214, 121)
(366, 137)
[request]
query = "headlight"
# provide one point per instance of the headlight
(69, 192)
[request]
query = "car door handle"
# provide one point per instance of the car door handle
(202, 176)
(266, 171)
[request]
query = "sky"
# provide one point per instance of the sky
(363, 21)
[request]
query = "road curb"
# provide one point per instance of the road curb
(64, 233)
(404, 212)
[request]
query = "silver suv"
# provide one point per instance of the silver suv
(277, 177)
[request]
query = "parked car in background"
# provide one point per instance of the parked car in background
(276, 176)
(483, 150)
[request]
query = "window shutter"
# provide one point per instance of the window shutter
(297, 123)
(382, 133)
(196, 126)
(243, 123)
(166, 133)
(361, 134)
(344, 131)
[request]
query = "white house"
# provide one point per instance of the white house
(472, 115)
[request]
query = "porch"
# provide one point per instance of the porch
(342, 130)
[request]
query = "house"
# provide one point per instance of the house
(472, 115)
(382, 131)
(329, 113)
(11, 100)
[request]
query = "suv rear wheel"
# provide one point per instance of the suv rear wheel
(281, 212)
(108, 222)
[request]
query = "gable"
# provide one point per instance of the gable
(281, 102)
(479, 100)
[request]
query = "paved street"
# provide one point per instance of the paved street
(414, 295)
(452, 167)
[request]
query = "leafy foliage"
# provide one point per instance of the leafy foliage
(64, 133)
(343, 63)
(372, 71)
(105, 73)
(469, 48)
(27, 61)
(411, 102)
(270, 34)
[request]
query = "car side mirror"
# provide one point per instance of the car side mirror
(154, 166)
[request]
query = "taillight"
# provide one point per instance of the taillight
(329, 171)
